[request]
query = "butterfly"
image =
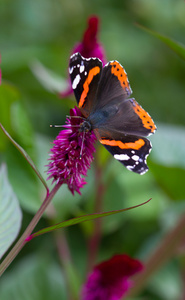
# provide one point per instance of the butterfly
(118, 121)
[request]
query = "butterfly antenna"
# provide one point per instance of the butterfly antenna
(56, 125)
(78, 117)
(83, 137)
(64, 126)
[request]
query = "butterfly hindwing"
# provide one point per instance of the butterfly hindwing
(123, 117)
(131, 151)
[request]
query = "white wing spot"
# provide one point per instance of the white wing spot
(130, 168)
(76, 81)
(135, 157)
(82, 68)
(71, 70)
(121, 156)
(143, 172)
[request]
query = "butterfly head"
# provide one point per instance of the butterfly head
(85, 126)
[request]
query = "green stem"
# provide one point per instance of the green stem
(161, 255)
(22, 241)
(71, 276)
(94, 242)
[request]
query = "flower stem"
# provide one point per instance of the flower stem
(95, 239)
(161, 255)
(72, 279)
(22, 241)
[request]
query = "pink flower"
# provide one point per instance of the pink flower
(70, 157)
(89, 47)
(110, 280)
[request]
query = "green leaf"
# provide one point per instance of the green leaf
(24, 181)
(109, 203)
(8, 95)
(167, 283)
(10, 213)
(36, 277)
(170, 179)
(81, 219)
(168, 146)
(22, 128)
(144, 186)
(51, 81)
(178, 48)
(26, 156)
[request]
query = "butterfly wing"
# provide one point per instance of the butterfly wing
(122, 114)
(118, 122)
(124, 121)
(85, 74)
(113, 85)
(131, 151)
(126, 117)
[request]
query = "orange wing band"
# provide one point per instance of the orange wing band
(144, 116)
(93, 72)
(134, 145)
(121, 74)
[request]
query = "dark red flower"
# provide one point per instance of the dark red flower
(67, 163)
(89, 47)
(110, 280)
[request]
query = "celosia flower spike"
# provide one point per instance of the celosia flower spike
(69, 162)
(89, 47)
(110, 280)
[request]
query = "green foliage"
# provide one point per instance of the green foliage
(45, 31)
(167, 284)
(178, 48)
(10, 213)
(37, 277)
(8, 96)
(81, 219)
(47, 78)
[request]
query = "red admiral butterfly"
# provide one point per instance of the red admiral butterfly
(118, 122)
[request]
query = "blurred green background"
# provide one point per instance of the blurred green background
(46, 31)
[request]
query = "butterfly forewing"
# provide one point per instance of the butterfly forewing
(85, 75)
(113, 85)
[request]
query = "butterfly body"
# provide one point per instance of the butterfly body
(119, 122)
(100, 118)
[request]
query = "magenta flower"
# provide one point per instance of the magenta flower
(110, 280)
(70, 156)
(89, 47)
